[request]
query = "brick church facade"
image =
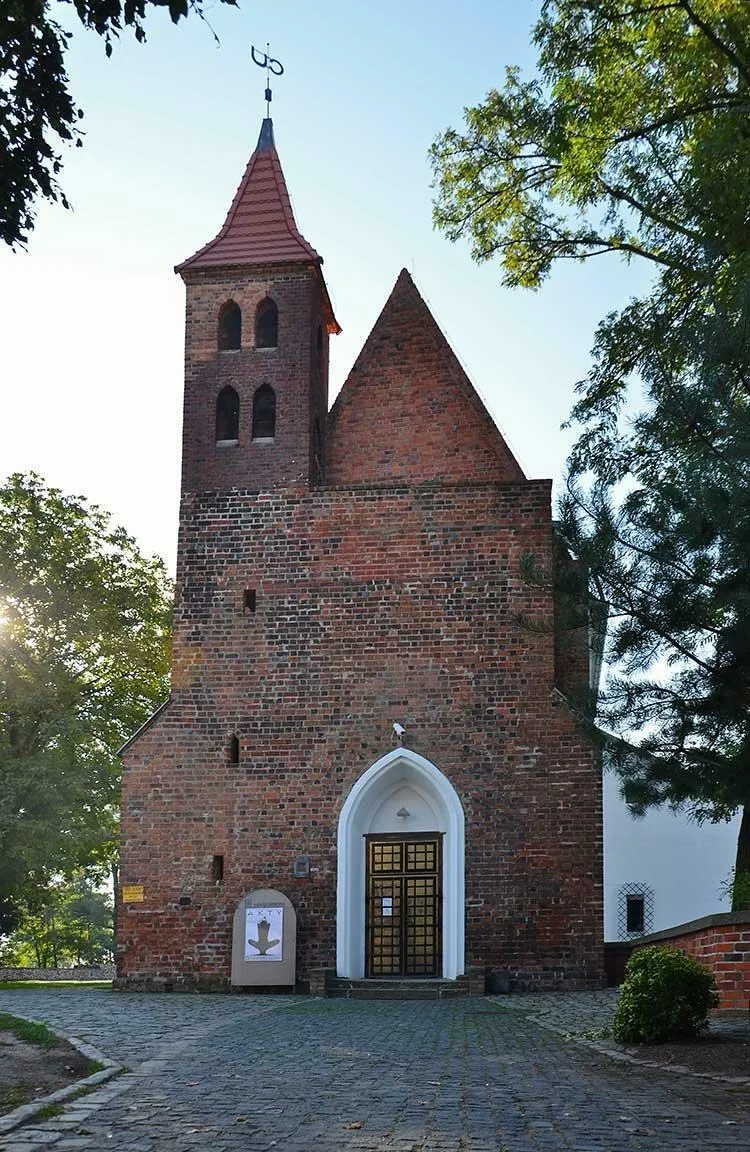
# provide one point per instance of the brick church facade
(340, 573)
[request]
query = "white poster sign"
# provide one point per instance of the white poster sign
(264, 932)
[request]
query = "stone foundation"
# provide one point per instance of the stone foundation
(101, 972)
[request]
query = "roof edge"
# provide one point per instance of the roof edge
(146, 724)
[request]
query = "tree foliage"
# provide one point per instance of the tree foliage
(84, 659)
(68, 923)
(37, 112)
(634, 139)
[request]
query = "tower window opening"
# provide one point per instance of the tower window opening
(248, 600)
(230, 327)
(227, 416)
(319, 341)
(267, 324)
(217, 869)
(317, 453)
(264, 413)
(234, 750)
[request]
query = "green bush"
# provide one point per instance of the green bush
(666, 996)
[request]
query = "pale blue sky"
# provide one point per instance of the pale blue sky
(93, 315)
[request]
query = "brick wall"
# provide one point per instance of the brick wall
(721, 943)
(371, 605)
(392, 592)
(295, 370)
(408, 413)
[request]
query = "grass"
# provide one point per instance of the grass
(7, 984)
(11, 1097)
(38, 1034)
(49, 1111)
(85, 1091)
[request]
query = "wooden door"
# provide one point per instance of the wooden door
(403, 913)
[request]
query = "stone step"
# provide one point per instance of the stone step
(397, 989)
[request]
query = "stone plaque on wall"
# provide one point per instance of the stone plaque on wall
(264, 940)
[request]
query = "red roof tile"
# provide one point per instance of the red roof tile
(260, 226)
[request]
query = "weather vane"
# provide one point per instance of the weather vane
(267, 61)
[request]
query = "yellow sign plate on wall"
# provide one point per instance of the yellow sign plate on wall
(132, 893)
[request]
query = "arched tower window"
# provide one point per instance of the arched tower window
(267, 324)
(264, 413)
(227, 415)
(230, 327)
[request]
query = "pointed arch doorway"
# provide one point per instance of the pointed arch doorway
(370, 833)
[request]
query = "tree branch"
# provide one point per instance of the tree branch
(620, 194)
(716, 40)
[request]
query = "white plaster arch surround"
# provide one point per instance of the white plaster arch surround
(401, 778)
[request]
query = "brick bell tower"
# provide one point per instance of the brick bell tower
(257, 325)
(200, 809)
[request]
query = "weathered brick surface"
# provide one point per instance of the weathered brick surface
(371, 606)
(295, 370)
(724, 948)
(408, 413)
(391, 592)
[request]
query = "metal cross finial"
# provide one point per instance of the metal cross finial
(267, 61)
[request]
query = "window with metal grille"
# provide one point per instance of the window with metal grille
(635, 910)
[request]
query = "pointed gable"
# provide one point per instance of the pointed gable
(260, 226)
(408, 413)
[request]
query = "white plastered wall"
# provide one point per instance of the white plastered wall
(685, 864)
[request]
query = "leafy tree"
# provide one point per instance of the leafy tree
(633, 139)
(69, 922)
(37, 111)
(84, 659)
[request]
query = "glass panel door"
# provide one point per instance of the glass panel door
(403, 928)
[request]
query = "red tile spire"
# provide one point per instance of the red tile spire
(260, 226)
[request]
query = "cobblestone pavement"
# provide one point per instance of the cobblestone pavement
(573, 1012)
(589, 1015)
(230, 1073)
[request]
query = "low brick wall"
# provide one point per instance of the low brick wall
(721, 943)
(103, 972)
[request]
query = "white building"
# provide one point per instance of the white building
(663, 869)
